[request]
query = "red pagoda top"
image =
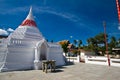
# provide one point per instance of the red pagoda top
(29, 21)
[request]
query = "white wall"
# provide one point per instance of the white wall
(57, 55)
(19, 58)
(102, 61)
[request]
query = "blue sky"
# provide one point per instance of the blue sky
(59, 19)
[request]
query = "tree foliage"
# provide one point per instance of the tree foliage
(79, 43)
(75, 42)
(97, 43)
(64, 45)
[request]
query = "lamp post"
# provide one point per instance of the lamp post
(106, 44)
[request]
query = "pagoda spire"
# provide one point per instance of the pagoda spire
(29, 21)
(30, 15)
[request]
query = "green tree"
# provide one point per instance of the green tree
(64, 45)
(97, 43)
(75, 42)
(51, 41)
(100, 38)
(112, 44)
(79, 43)
(118, 43)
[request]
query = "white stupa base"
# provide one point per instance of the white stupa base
(37, 64)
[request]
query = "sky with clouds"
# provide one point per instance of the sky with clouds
(60, 19)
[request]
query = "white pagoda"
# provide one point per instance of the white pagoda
(25, 48)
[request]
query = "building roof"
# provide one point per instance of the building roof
(54, 45)
(27, 30)
(70, 46)
(29, 21)
(115, 48)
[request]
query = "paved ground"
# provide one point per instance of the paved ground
(78, 71)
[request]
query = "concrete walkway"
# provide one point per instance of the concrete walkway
(78, 71)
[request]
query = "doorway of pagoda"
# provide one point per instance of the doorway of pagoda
(43, 52)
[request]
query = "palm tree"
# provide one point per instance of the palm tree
(118, 43)
(79, 43)
(51, 41)
(113, 42)
(75, 42)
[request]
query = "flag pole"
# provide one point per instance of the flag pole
(106, 44)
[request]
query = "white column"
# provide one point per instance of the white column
(36, 54)
(47, 53)
(36, 61)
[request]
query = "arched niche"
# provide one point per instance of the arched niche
(43, 52)
(40, 53)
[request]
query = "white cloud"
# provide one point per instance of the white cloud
(37, 9)
(119, 27)
(71, 36)
(10, 30)
(3, 32)
(65, 15)
(13, 11)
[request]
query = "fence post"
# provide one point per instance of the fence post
(78, 58)
(86, 59)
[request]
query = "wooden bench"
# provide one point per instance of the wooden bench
(46, 63)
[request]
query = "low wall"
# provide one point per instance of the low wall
(73, 59)
(102, 61)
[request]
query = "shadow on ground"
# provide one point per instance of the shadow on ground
(57, 71)
(60, 68)
(69, 63)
